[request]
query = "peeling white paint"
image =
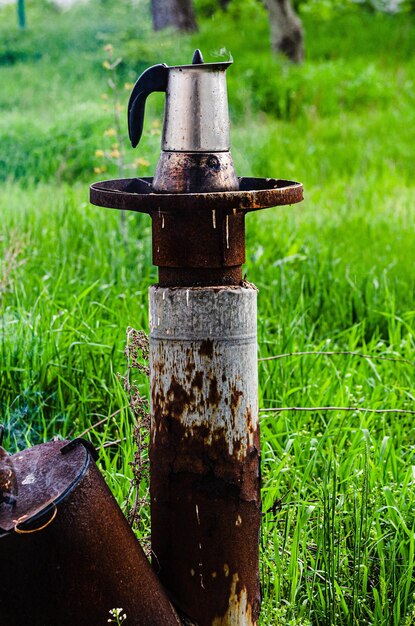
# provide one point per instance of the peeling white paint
(239, 612)
(181, 322)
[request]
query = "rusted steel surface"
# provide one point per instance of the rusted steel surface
(205, 454)
(136, 194)
(197, 277)
(198, 238)
(43, 476)
(195, 172)
(208, 249)
(70, 556)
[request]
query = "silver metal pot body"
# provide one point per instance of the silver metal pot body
(196, 117)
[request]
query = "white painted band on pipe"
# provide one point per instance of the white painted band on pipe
(208, 332)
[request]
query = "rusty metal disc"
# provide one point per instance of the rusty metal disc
(135, 194)
(44, 477)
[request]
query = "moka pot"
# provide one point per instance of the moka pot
(195, 153)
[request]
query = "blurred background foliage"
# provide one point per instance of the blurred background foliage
(54, 67)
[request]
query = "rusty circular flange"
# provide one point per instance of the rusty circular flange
(135, 194)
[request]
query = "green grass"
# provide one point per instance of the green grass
(334, 273)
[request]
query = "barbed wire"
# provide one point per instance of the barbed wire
(335, 408)
(338, 352)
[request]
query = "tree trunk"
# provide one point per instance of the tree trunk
(178, 14)
(286, 30)
(21, 13)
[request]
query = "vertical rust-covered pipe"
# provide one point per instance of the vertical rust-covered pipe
(205, 458)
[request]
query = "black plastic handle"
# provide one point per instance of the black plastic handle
(153, 79)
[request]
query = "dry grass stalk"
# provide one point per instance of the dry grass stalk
(137, 353)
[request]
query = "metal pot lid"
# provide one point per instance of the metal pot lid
(45, 474)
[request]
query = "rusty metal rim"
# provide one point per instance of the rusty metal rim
(255, 194)
(56, 501)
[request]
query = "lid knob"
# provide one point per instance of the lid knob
(197, 57)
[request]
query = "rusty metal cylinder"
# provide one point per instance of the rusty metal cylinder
(67, 554)
(205, 454)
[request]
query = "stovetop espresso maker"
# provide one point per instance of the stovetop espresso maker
(195, 153)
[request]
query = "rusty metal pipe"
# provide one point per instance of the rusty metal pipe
(205, 457)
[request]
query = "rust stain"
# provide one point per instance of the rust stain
(193, 470)
(235, 400)
(214, 396)
(178, 398)
(206, 348)
(236, 395)
(198, 380)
